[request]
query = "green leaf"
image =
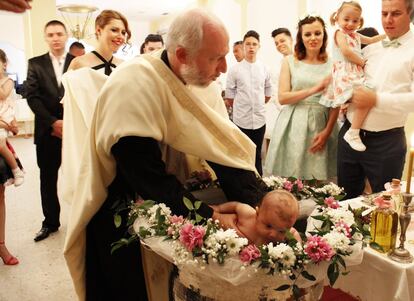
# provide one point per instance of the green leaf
(333, 273)
(308, 276)
(198, 218)
(117, 220)
(188, 204)
(296, 292)
(376, 246)
(341, 261)
(197, 205)
(345, 273)
(147, 204)
(282, 287)
(319, 217)
(115, 247)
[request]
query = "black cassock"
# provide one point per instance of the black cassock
(141, 171)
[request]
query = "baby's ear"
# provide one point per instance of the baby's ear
(257, 210)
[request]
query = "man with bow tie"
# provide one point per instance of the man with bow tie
(390, 68)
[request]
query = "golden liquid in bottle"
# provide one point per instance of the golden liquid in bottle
(384, 223)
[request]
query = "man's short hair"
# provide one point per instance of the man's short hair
(237, 43)
(77, 45)
(55, 22)
(187, 30)
(154, 38)
(281, 30)
(252, 34)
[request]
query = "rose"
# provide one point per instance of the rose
(176, 219)
(288, 185)
(192, 236)
(249, 254)
(331, 202)
(299, 184)
(318, 249)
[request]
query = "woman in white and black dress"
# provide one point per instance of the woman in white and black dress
(83, 81)
(112, 32)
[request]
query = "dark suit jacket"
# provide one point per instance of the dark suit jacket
(44, 94)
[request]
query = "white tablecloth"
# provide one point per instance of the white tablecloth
(378, 278)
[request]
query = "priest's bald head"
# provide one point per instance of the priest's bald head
(197, 44)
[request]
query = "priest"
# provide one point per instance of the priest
(166, 98)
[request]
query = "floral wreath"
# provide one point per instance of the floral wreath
(201, 241)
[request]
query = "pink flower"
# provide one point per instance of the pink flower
(288, 185)
(249, 254)
(170, 231)
(331, 202)
(318, 249)
(299, 183)
(192, 236)
(344, 228)
(176, 219)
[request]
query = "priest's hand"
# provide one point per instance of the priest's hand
(16, 6)
(57, 128)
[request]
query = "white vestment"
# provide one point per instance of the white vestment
(144, 98)
(82, 87)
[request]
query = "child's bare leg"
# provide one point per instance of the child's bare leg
(359, 117)
(7, 154)
(11, 161)
(352, 135)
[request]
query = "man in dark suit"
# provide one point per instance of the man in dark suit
(44, 93)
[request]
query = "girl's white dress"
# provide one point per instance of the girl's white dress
(345, 75)
(7, 108)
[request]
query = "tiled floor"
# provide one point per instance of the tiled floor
(42, 273)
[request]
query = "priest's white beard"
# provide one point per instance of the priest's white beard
(192, 76)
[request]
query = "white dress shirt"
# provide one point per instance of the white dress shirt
(391, 71)
(248, 84)
(58, 65)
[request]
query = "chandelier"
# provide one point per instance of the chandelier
(77, 17)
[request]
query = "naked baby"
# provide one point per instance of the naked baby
(269, 221)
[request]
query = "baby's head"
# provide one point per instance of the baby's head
(348, 16)
(276, 214)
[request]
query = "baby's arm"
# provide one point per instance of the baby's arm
(347, 52)
(295, 234)
(6, 89)
(369, 40)
(229, 207)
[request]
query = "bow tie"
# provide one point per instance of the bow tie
(392, 43)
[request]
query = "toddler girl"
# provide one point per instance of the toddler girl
(348, 66)
(7, 114)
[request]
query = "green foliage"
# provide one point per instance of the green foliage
(282, 287)
(308, 276)
(333, 272)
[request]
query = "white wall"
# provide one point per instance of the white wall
(12, 42)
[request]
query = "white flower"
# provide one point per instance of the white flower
(153, 211)
(282, 253)
(340, 214)
(222, 235)
(274, 182)
(235, 244)
(330, 189)
(337, 241)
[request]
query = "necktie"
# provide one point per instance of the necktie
(392, 43)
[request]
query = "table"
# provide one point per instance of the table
(378, 278)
